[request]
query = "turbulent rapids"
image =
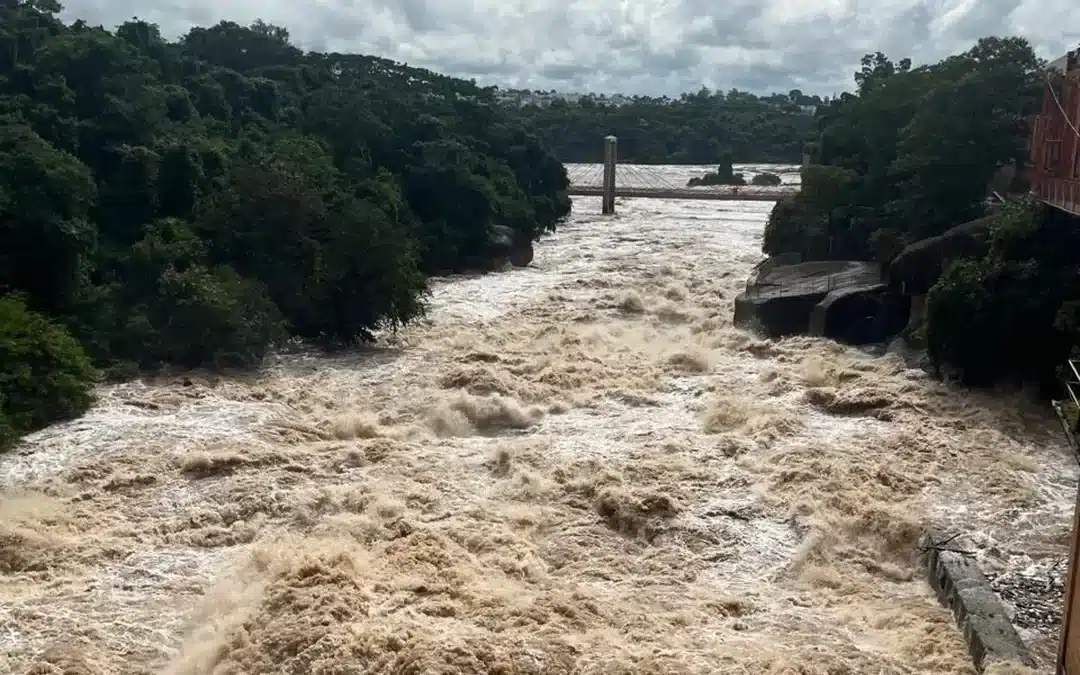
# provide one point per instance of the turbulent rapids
(578, 467)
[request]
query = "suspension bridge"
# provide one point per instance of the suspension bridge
(636, 180)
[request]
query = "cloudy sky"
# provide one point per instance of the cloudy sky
(629, 46)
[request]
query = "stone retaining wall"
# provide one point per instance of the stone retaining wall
(962, 587)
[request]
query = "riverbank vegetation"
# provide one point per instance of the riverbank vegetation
(699, 128)
(910, 155)
(1015, 311)
(196, 202)
(724, 175)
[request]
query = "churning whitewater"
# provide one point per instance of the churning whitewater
(578, 467)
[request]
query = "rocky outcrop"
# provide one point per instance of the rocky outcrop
(844, 300)
(766, 266)
(766, 179)
(724, 175)
(522, 254)
(860, 315)
(920, 264)
(713, 179)
(776, 314)
(507, 247)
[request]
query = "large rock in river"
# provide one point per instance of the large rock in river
(860, 314)
(916, 268)
(506, 247)
(521, 255)
(845, 300)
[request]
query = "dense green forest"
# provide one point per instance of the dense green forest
(1013, 312)
(698, 128)
(194, 202)
(197, 202)
(909, 155)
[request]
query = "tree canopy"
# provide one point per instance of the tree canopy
(191, 202)
(1013, 313)
(911, 152)
(699, 128)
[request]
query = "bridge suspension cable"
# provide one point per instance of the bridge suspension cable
(637, 180)
(586, 174)
(629, 175)
(645, 177)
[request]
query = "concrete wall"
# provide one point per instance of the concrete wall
(962, 587)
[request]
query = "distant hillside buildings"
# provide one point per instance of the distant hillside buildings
(526, 97)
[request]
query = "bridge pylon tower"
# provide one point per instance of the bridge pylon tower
(607, 204)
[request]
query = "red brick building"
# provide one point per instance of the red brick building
(1055, 138)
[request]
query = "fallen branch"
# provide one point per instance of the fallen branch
(940, 547)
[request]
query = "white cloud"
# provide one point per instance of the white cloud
(630, 46)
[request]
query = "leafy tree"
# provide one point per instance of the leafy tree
(698, 128)
(1011, 314)
(46, 376)
(912, 152)
(45, 199)
(212, 316)
(195, 202)
(815, 224)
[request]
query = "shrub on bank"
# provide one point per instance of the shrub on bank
(1011, 313)
(885, 157)
(46, 375)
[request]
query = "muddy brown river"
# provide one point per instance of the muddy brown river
(579, 467)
